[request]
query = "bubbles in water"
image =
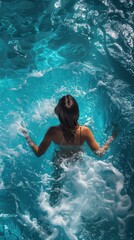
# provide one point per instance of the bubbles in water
(66, 47)
(58, 4)
(44, 109)
(87, 191)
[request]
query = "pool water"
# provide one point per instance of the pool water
(49, 49)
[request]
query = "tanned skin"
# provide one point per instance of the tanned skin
(55, 134)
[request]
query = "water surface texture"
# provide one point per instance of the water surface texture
(49, 49)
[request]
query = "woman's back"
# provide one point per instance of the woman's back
(59, 138)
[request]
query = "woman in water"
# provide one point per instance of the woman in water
(68, 132)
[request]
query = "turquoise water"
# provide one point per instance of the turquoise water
(49, 49)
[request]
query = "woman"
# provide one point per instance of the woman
(68, 132)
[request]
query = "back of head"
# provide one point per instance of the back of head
(67, 111)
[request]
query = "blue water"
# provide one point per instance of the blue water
(49, 49)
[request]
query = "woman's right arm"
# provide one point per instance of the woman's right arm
(41, 149)
(89, 138)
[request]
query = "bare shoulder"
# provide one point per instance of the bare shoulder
(85, 129)
(54, 134)
(52, 131)
(86, 132)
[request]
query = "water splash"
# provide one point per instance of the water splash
(89, 191)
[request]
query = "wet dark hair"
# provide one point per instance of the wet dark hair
(67, 111)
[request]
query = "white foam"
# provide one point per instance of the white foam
(43, 109)
(91, 189)
(5, 215)
(32, 223)
(15, 122)
(101, 83)
(37, 74)
(57, 4)
(2, 186)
